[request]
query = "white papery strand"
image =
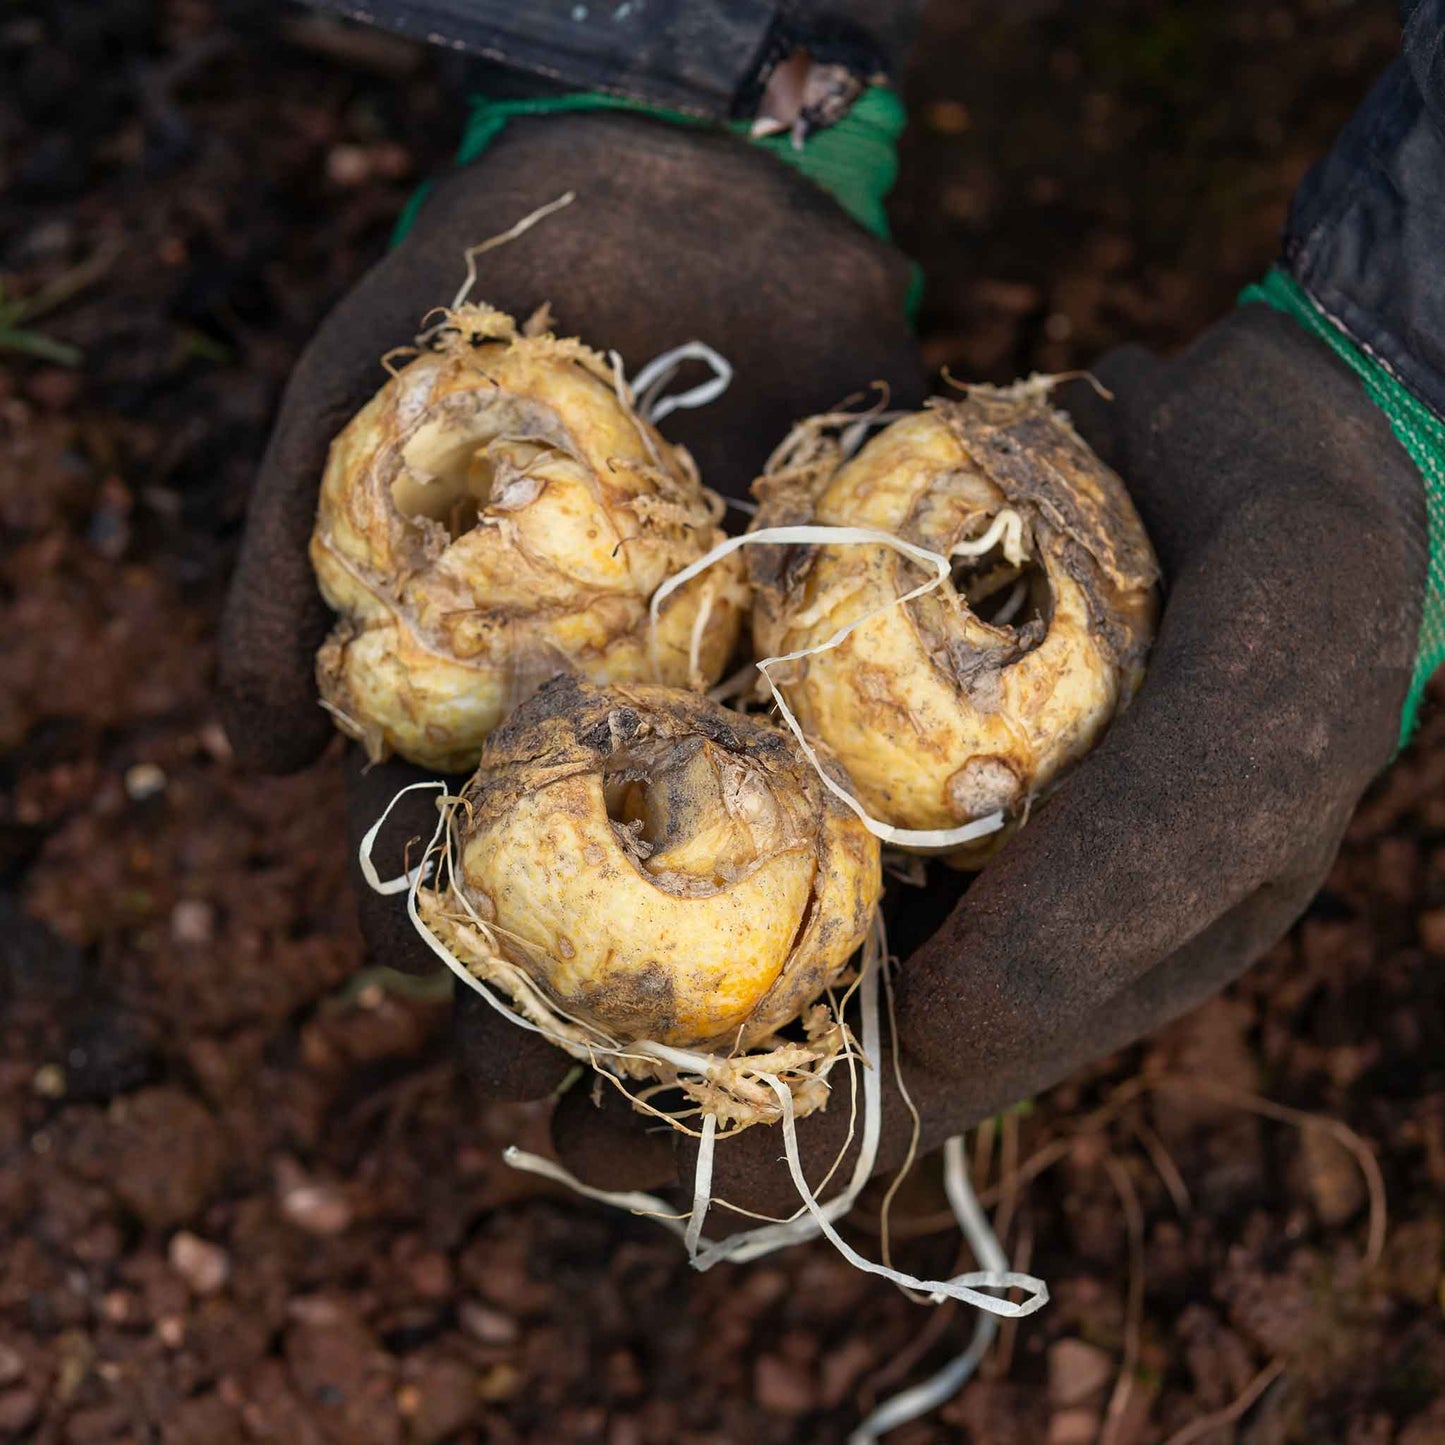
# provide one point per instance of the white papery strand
(1007, 525)
(754, 1243)
(964, 1287)
(410, 883)
(649, 383)
(819, 1218)
(929, 1394)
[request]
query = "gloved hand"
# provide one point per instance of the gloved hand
(674, 235)
(1290, 527)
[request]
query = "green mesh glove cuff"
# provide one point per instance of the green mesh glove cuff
(855, 160)
(1419, 431)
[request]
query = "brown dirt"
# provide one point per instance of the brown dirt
(239, 1202)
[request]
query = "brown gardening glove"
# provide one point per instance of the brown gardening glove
(1290, 527)
(675, 235)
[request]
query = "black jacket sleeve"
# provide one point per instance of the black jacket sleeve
(707, 57)
(1366, 234)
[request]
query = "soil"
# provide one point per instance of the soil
(243, 1195)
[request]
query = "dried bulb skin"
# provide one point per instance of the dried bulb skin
(498, 513)
(977, 696)
(663, 868)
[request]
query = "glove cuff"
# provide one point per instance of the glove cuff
(1422, 434)
(700, 56)
(855, 160)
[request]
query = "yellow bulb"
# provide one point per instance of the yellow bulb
(975, 698)
(663, 868)
(499, 512)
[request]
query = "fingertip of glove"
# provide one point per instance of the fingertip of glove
(500, 1059)
(390, 935)
(270, 714)
(370, 788)
(607, 1144)
(391, 938)
(265, 738)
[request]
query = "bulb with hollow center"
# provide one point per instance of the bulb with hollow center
(498, 513)
(661, 867)
(976, 697)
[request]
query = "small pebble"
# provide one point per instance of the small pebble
(490, 1326)
(319, 1209)
(172, 1331)
(348, 165)
(144, 780)
(204, 1266)
(499, 1382)
(193, 921)
(431, 1276)
(1074, 1427)
(213, 738)
(11, 1365)
(49, 1081)
(1332, 1176)
(1077, 1372)
(782, 1387)
(319, 1312)
(18, 1408)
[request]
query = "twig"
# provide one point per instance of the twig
(1049, 1154)
(70, 283)
(1037, 1163)
(501, 239)
(421, 988)
(1363, 1155)
(15, 337)
(983, 1155)
(902, 1364)
(1134, 1299)
(1207, 1424)
(44, 348)
(1003, 1355)
(1008, 1165)
(1164, 1165)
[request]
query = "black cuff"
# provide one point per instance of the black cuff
(706, 57)
(1366, 233)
